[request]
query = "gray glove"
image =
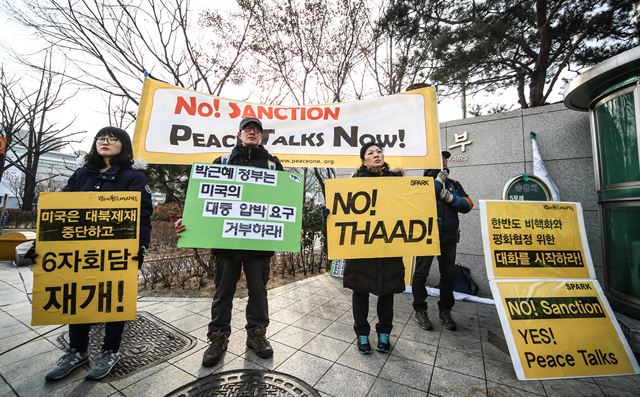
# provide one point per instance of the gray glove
(446, 195)
(442, 177)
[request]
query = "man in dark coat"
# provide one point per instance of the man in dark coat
(451, 199)
(248, 152)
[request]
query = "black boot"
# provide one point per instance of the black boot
(259, 344)
(218, 346)
(422, 318)
(447, 321)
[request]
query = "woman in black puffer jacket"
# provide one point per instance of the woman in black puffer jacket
(379, 276)
(108, 167)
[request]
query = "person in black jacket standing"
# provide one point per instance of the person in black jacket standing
(229, 263)
(451, 199)
(108, 167)
(379, 276)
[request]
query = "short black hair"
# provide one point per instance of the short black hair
(124, 158)
(366, 146)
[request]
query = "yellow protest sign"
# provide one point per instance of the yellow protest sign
(531, 239)
(175, 125)
(381, 217)
(409, 265)
(84, 272)
(558, 329)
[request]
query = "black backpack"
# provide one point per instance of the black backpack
(463, 281)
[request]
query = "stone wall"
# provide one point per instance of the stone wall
(501, 149)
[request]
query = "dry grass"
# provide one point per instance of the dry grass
(207, 291)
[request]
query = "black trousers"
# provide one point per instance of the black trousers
(446, 262)
(79, 336)
(226, 276)
(361, 312)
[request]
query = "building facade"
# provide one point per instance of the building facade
(54, 170)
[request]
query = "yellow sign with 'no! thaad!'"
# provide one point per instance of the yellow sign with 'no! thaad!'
(85, 271)
(529, 239)
(381, 217)
(560, 328)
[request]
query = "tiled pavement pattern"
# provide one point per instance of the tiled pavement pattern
(312, 336)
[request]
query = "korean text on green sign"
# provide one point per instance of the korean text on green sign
(247, 208)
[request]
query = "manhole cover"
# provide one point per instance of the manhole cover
(246, 383)
(147, 341)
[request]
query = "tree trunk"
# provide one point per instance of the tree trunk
(29, 192)
(2, 161)
(464, 101)
(522, 99)
(539, 75)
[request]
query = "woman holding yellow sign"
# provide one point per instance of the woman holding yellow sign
(109, 167)
(379, 276)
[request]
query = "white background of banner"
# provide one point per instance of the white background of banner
(376, 116)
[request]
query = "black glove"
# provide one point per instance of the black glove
(31, 253)
(325, 213)
(140, 255)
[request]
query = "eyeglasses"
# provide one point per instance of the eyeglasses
(253, 128)
(109, 140)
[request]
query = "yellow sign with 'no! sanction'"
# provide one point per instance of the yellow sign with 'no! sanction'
(555, 317)
(559, 329)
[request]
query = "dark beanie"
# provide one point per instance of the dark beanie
(366, 146)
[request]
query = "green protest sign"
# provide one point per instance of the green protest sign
(245, 208)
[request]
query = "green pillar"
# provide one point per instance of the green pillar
(610, 92)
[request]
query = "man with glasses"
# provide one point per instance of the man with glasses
(248, 152)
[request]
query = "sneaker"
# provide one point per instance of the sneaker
(422, 318)
(103, 365)
(384, 346)
(364, 346)
(447, 321)
(259, 343)
(218, 346)
(67, 363)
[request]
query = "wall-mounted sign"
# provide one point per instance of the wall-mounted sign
(460, 141)
(526, 188)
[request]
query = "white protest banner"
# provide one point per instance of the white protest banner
(181, 126)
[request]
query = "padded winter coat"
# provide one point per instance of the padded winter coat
(378, 276)
(448, 221)
(117, 179)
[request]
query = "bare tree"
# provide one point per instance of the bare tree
(393, 60)
(109, 45)
(39, 135)
(11, 120)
